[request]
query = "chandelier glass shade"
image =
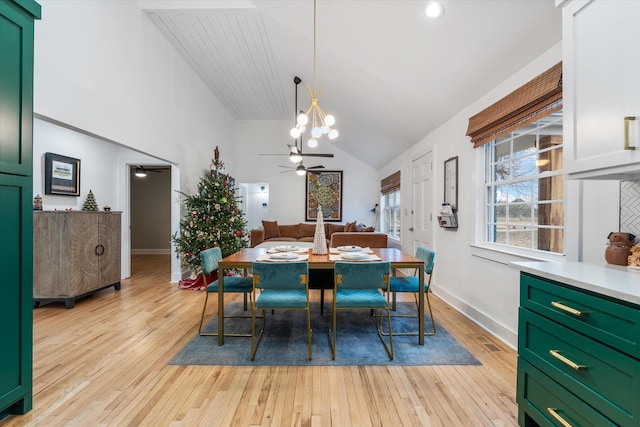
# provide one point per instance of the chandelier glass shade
(320, 123)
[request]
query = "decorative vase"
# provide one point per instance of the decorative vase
(319, 238)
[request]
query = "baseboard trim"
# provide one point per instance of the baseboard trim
(495, 328)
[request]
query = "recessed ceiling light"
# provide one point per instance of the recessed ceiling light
(434, 9)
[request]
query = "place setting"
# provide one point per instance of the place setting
(285, 253)
(352, 253)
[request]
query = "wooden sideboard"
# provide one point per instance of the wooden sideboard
(74, 254)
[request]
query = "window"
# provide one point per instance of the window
(391, 214)
(390, 202)
(524, 186)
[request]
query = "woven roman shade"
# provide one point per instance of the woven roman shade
(532, 101)
(390, 184)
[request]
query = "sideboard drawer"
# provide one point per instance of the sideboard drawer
(609, 321)
(538, 394)
(604, 378)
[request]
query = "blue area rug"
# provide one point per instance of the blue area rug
(284, 342)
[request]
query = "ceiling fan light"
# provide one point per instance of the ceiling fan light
(302, 119)
(333, 134)
(316, 132)
(312, 142)
(295, 133)
(329, 120)
(300, 170)
(295, 158)
(140, 172)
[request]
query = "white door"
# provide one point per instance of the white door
(422, 202)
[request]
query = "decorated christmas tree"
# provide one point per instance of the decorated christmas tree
(90, 203)
(212, 218)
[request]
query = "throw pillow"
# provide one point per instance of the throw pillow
(350, 226)
(271, 229)
(306, 230)
(289, 231)
(369, 229)
(359, 227)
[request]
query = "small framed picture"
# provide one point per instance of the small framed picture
(451, 182)
(61, 175)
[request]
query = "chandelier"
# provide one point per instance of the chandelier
(321, 123)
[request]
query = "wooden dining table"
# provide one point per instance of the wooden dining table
(245, 258)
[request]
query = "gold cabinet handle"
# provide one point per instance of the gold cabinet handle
(557, 355)
(558, 418)
(627, 133)
(568, 309)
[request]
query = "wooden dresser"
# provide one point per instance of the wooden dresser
(74, 254)
(578, 345)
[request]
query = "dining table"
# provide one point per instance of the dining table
(244, 259)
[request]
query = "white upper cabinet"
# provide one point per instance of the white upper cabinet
(601, 86)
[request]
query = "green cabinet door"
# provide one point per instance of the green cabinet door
(16, 195)
(16, 299)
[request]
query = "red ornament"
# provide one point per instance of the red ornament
(194, 214)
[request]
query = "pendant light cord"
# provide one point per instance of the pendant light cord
(314, 44)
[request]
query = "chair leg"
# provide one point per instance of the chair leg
(388, 348)
(253, 331)
(433, 323)
(332, 333)
(206, 297)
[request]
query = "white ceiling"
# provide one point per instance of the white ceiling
(390, 75)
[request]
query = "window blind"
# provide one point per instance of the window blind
(390, 184)
(530, 102)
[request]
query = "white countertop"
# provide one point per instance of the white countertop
(612, 280)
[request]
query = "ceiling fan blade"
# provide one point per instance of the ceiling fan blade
(316, 155)
(271, 154)
(286, 167)
(316, 167)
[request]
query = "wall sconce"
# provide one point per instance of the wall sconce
(373, 211)
(631, 132)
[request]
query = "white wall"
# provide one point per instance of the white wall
(361, 184)
(104, 169)
(104, 68)
(476, 281)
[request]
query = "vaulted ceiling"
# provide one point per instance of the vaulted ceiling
(390, 74)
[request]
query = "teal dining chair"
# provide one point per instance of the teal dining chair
(411, 284)
(357, 286)
(279, 286)
(232, 284)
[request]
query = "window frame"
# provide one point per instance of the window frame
(487, 187)
(395, 210)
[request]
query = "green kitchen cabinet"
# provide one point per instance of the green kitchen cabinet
(16, 198)
(578, 356)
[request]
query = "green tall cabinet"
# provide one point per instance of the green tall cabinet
(16, 196)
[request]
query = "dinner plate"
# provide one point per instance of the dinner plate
(354, 255)
(283, 255)
(349, 248)
(286, 248)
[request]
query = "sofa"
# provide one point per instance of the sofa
(365, 240)
(301, 232)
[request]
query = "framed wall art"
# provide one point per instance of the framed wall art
(325, 189)
(61, 175)
(451, 182)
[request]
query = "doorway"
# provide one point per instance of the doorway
(422, 201)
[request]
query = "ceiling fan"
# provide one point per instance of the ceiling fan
(301, 169)
(141, 171)
(295, 153)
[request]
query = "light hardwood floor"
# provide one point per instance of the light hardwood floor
(105, 362)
